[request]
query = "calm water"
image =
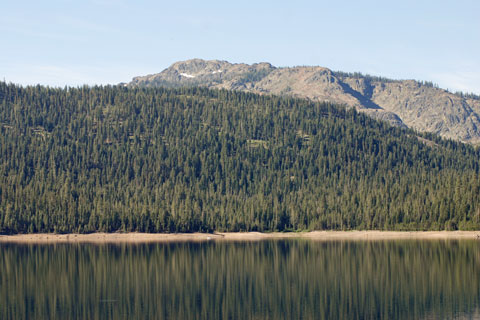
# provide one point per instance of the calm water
(294, 279)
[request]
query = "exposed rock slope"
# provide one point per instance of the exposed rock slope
(403, 103)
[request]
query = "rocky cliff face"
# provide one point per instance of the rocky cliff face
(402, 103)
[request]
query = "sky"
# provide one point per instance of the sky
(72, 43)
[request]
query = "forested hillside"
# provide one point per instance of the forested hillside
(184, 160)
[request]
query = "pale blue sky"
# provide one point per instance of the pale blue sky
(110, 41)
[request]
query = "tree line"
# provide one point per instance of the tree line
(112, 158)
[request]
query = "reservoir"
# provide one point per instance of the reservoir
(268, 279)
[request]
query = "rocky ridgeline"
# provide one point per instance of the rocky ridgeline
(401, 102)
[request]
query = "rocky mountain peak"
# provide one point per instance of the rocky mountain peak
(406, 103)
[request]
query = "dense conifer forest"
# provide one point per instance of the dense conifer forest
(183, 160)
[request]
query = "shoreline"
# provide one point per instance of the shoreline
(134, 237)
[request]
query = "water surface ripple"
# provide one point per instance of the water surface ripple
(274, 279)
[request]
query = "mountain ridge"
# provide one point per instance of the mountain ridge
(404, 103)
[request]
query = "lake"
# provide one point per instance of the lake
(270, 279)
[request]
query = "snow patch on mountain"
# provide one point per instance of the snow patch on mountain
(186, 75)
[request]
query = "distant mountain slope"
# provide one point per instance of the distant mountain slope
(402, 103)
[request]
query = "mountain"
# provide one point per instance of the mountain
(405, 103)
(193, 159)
